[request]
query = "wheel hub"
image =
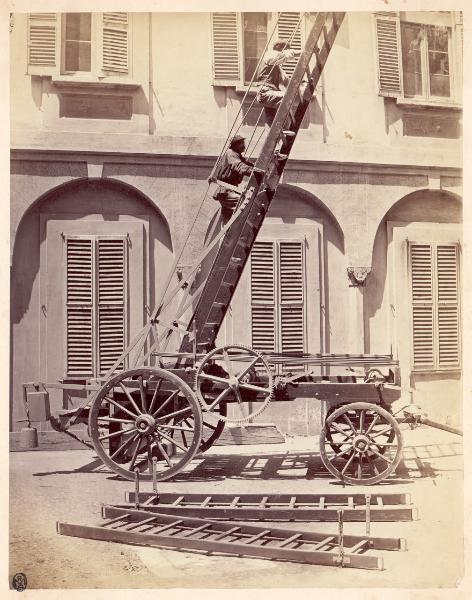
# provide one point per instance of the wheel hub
(145, 423)
(361, 443)
(233, 383)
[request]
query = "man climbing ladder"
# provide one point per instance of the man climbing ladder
(231, 171)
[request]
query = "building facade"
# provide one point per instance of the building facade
(116, 122)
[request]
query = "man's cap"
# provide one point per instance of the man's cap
(280, 42)
(236, 139)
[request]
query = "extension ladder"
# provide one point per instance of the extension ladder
(140, 527)
(279, 507)
(236, 244)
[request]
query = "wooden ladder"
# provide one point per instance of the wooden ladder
(235, 247)
(147, 528)
(280, 507)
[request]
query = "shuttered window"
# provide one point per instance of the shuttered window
(239, 39)
(43, 44)
(289, 27)
(434, 278)
(96, 303)
(387, 30)
(226, 48)
(115, 42)
(95, 43)
(414, 59)
(277, 296)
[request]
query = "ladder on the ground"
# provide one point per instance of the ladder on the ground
(280, 507)
(236, 244)
(141, 527)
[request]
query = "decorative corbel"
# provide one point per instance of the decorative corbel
(357, 275)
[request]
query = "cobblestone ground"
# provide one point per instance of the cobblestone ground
(46, 487)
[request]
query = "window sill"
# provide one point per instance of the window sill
(420, 103)
(443, 371)
(90, 82)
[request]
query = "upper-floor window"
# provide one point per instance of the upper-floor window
(83, 43)
(419, 55)
(78, 42)
(425, 60)
(255, 40)
(239, 40)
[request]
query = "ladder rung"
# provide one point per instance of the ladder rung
(322, 502)
(380, 501)
(256, 537)
(192, 531)
(359, 546)
(323, 542)
(290, 540)
(223, 534)
(350, 502)
(115, 520)
(234, 502)
(135, 524)
(206, 502)
(178, 501)
(291, 504)
(263, 502)
(168, 526)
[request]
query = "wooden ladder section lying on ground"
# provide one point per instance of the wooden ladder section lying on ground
(279, 507)
(147, 528)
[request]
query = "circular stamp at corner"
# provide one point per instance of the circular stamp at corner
(19, 582)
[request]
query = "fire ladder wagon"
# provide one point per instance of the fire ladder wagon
(170, 393)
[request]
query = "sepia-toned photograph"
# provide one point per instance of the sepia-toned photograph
(236, 298)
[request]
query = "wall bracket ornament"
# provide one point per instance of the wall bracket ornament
(357, 275)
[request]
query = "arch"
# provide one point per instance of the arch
(55, 198)
(103, 201)
(428, 206)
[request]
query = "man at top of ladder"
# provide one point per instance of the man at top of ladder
(271, 77)
(231, 170)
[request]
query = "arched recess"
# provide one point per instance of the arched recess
(98, 209)
(298, 229)
(426, 217)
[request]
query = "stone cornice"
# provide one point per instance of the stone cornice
(207, 161)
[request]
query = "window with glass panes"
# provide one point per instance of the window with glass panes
(426, 60)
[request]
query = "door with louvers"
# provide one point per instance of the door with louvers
(435, 297)
(277, 305)
(92, 295)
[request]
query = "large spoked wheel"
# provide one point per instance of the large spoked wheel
(361, 443)
(234, 374)
(145, 414)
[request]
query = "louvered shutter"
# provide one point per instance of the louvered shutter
(225, 29)
(448, 305)
(435, 294)
(111, 301)
(79, 307)
(389, 75)
(263, 296)
(289, 27)
(43, 42)
(115, 55)
(291, 283)
(421, 269)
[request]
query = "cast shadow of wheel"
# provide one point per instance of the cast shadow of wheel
(289, 466)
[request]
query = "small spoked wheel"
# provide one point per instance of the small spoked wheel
(143, 417)
(361, 443)
(234, 374)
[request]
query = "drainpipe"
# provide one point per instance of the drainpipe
(151, 82)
